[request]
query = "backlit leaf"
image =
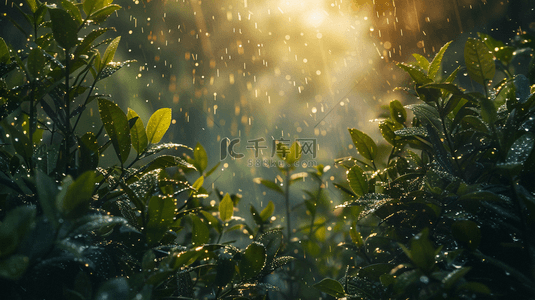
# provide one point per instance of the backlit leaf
(330, 287)
(357, 180)
(479, 61)
(226, 208)
(253, 260)
(64, 28)
(364, 144)
(158, 124)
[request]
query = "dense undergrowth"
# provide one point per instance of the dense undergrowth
(447, 214)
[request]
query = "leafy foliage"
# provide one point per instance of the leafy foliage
(450, 213)
(75, 227)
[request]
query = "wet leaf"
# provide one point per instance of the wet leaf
(160, 215)
(397, 112)
(158, 124)
(520, 149)
(72, 10)
(89, 152)
(36, 63)
(330, 287)
(267, 212)
(137, 132)
(364, 144)
(269, 184)
(416, 73)
(454, 276)
(110, 52)
(200, 232)
(479, 61)
(422, 61)
(47, 191)
(272, 241)
(226, 208)
(4, 52)
(14, 227)
(467, 232)
(225, 269)
(75, 203)
(200, 158)
(117, 127)
(434, 67)
(64, 28)
(252, 261)
(357, 181)
(115, 288)
(500, 50)
(103, 13)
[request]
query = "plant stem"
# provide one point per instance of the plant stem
(67, 101)
(287, 201)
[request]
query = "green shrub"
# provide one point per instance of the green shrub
(74, 227)
(451, 215)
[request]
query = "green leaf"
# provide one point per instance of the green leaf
(64, 28)
(116, 125)
(33, 5)
(267, 212)
(72, 10)
(102, 14)
(200, 232)
(397, 111)
(89, 152)
(19, 140)
(253, 260)
(200, 158)
(479, 61)
(161, 211)
(330, 287)
(454, 276)
(294, 155)
(79, 194)
(256, 216)
(434, 67)
(269, 184)
(356, 237)
(47, 191)
(475, 287)
(14, 227)
(488, 111)
(4, 52)
(520, 149)
(226, 208)
(36, 63)
(422, 61)
(357, 180)
(416, 73)
(137, 132)
(272, 241)
(158, 124)
(388, 128)
(14, 267)
(86, 43)
(467, 232)
(110, 52)
(364, 144)
(422, 252)
(198, 183)
(226, 267)
(500, 50)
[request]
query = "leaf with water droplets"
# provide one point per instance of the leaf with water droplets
(267, 212)
(500, 50)
(416, 73)
(137, 132)
(160, 215)
(116, 125)
(252, 261)
(272, 241)
(421, 60)
(434, 67)
(97, 223)
(357, 180)
(64, 28)
(467, 232)
(520, 149)
(397, 111)
(76, 201)
(158, 124)
(269, 184)
(479, 61)
(330, 287)
(200, 232)
(364, 144)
